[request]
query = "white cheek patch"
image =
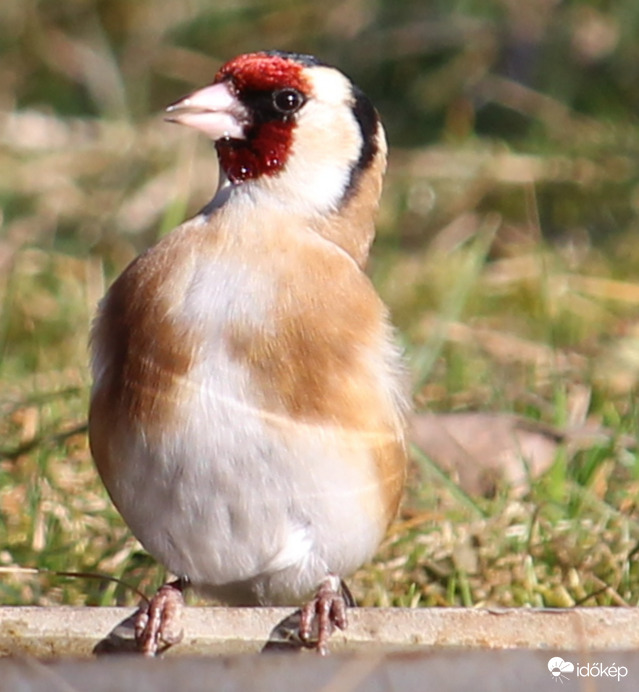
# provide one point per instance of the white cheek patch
(327, 142)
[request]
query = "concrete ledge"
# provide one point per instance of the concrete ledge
(67, 631)
(426, 671)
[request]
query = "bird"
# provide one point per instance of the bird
(249, 399)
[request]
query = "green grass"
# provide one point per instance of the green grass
(507, 252)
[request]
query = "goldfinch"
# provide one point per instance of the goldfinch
(248, 406)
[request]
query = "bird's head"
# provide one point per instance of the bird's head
(288, 123)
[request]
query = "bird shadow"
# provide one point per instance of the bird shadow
(284, 636)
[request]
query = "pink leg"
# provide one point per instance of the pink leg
(328, 609)
(157, 620)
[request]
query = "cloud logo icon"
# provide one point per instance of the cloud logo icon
(558, 668)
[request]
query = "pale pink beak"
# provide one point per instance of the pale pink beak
(214, 110)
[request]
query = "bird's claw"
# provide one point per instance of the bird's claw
(156, 620)
(323, 613)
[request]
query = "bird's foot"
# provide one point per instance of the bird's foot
(325, 612)
(157, 621)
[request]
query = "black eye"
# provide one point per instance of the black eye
(288, 100)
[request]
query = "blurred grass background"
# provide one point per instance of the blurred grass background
(507, 251)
